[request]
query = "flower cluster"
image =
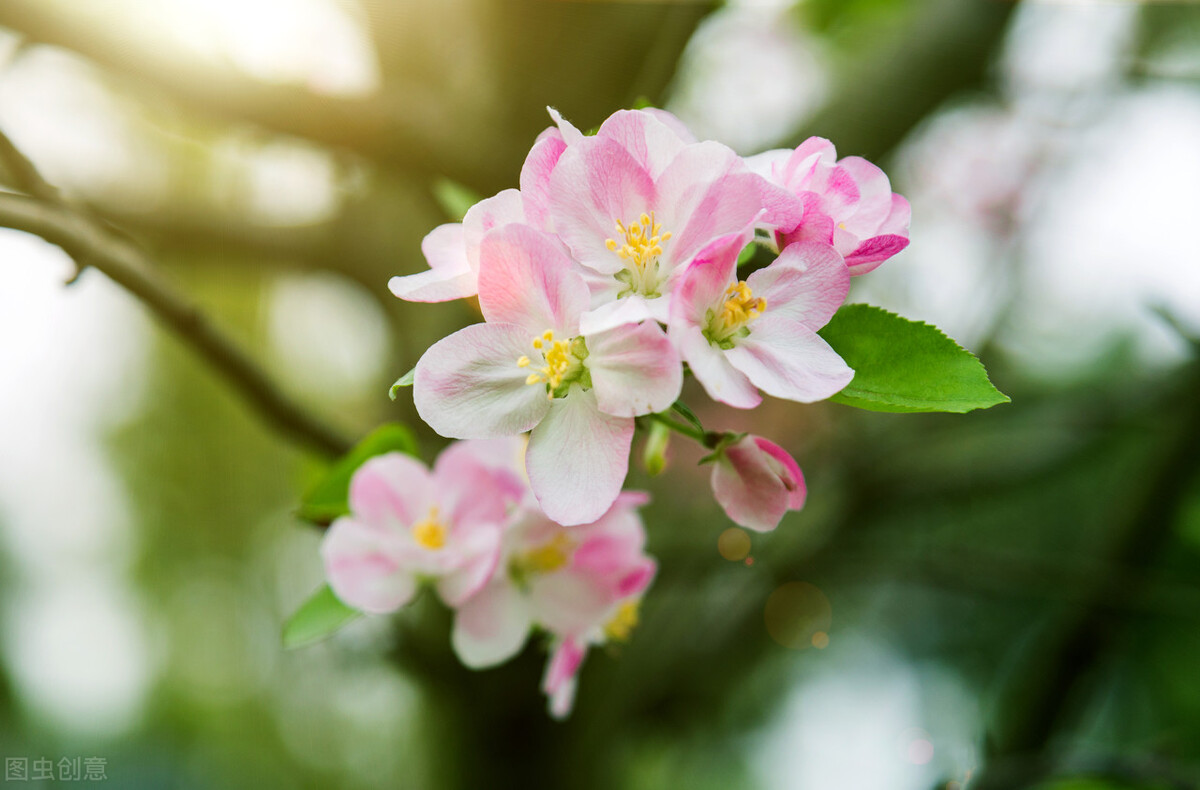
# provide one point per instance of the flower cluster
(471, 530)
(613, 266)
(611, 272)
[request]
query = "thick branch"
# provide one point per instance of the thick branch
(128, 266)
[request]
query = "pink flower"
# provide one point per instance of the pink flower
(530, 367)
(636, 202)
(582, 584)
(848, 203)
(452, 250)
(407, 525)
(756, 482)
(742, 336)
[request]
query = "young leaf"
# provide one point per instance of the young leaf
(327, 500)
(906, 366)
(682, 409)
(404, 381)
(317, 618)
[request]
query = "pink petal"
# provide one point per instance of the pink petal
(560, 680)
(807, 282)
(875, 196)
(634, 370)
(570, 604)
(753, 485)
(535, 177)
(672, 121)
(596, 183)
(577, 459)
(705, 193)
(469, 386)
(503, 458)
(491, 626)
(813, 153)
(503, 208)
(702, 285)
(468, 492)
(568, 131)
(652, 142)
(872, 252)
(721, 380)
(363, 568)
(788, 471)
(629, 309)
(478, 555)
(392, 490)
(450, 276)
(527, 279)
(786, 359)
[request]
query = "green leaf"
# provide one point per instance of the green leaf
(906, 366)
(454, 198)
(327, 500)
(404, 381)
(682, 409)
(317, 618)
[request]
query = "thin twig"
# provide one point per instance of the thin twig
(128, 266)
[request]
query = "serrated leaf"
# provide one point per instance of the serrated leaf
(454, 198)
(906, 366)
(317, 618)
(327, 500)
(404, 381)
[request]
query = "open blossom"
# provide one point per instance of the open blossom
(742, 336)
(636, 202)
(531, 367)
(756, 482)
(582, 584)
(848, 203)
(408, 525)
(452, 250)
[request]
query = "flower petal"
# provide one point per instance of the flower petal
(391, 490)
(596, 183)
(629, 309)
(807, 282)
(754, 485)
(567, 129)
(535, 177)
(478, 553)
(491, 626)
(652, 142)
(469, 386)
(635, 370)
(577, 459)
(526, 278)
(503, 208)
(721, 380)
(784, 358)
(450, 275)
(364, 568)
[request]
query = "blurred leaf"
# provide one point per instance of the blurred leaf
(454, 198)
(317, 618)
(906, 366)
(404, 381)
(327, 500)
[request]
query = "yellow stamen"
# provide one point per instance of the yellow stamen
(741, 306)
(621, 626)
(640, 244)
(559, 359)
(430, 533)
(550, 556)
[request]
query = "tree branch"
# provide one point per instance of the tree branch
(127, 265)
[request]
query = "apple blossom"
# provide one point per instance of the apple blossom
(848, 203)
(636, 202)
(755, 481)
(530, 367)
(742, 336)
(407, 525)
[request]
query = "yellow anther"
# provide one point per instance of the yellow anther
(550, 556)
(533, 378)
(558, 358)
(640, 243)
(523, 362)
(548, 334)
(621, 626)
(741, 306)
(430, 533)
(537, 343)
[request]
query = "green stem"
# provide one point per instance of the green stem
(709, 439)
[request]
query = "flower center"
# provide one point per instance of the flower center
(546, 558)
(621, 626)
(430, 533)
(562, 364)
(639, 245)
(741, 307)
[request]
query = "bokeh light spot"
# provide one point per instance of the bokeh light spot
(820, 640)
(795, 613)
(734, 544)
